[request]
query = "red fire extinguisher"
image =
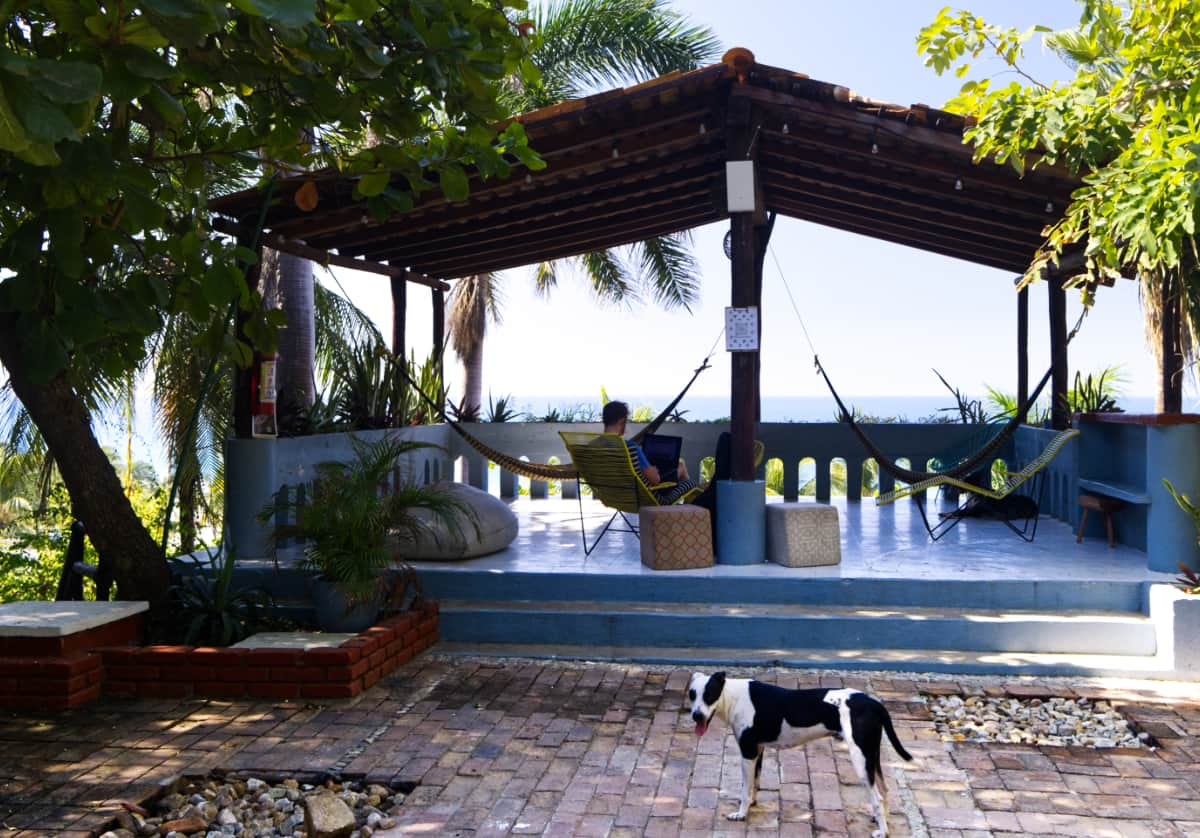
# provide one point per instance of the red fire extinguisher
(262, 396)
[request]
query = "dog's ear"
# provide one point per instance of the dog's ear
(714, 687)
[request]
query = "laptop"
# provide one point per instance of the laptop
(662, 450)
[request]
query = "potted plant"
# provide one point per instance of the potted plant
(355, 522)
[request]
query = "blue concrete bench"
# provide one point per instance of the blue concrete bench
(1121, 491)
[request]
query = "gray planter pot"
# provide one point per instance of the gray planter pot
(335, 615)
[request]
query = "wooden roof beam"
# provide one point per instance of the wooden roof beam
(940, 216)
(523, 201)
(869, 222)
(907, 174)
(673, 134)
(562, 247)
(325, 257)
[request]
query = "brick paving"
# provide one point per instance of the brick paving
(534, 748)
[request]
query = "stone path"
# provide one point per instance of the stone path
(572, 749)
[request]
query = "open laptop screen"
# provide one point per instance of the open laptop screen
(662, 451)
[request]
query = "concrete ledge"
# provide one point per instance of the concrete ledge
(58, 619)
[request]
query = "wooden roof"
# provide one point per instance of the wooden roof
(648, 160)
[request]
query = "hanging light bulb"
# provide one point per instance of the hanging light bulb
(528, 178)
(703, 127)
(958, 184)
(785, 127)
(615, 153)
(1049, 207)
(874, 148)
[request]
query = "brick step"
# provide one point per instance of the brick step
(750, 625)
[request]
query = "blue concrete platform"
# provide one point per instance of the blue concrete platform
(978, 601)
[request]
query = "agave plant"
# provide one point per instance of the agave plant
(214, 612)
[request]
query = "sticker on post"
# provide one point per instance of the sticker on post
(741, 329)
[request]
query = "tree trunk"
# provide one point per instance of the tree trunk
(472, 397)
(189, 491)
(297, 342)
(121, 540)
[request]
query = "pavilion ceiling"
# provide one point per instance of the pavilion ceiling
(649, 160)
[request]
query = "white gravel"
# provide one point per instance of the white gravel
(248, 807)
(1035, 721)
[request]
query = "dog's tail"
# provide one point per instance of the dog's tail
(891, 733)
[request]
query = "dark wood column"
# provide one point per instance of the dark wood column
(399, 315)
(243, 421)
(744, 292)
(1022, 348)
(439, 329)
(1170, 396)
(1060, 418)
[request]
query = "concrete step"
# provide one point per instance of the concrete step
(785, 586)
(948, 661)
(758, 625)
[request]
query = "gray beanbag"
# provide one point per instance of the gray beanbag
(495, 522)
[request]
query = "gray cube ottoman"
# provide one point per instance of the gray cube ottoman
(803, 534)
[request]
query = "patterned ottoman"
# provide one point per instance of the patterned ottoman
(675, 537)
(803, 534)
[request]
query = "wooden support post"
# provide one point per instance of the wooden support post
(744, 292)
(243, 421)
(1060, 418)
(439, 330)
(399, 315)
(744, 365)
(1022, 347)
(764, 239)
(1170, 396)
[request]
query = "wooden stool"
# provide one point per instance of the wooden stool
(1103, 504)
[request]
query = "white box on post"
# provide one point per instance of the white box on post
(739, 186)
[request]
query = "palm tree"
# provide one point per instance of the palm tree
(587, 44)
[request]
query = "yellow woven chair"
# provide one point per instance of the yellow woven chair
(605, 464)
(1013, 480)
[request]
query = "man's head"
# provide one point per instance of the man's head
(614, 417)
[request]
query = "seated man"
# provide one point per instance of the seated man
(615, 416)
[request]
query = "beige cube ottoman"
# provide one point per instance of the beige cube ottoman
(675, 537)
(803, 534)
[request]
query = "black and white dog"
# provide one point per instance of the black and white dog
(762, 714)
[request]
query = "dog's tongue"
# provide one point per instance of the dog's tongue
(701, 727)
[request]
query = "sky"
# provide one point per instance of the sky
(881, 316)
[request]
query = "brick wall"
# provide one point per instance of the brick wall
(57, 673)
(331, 672)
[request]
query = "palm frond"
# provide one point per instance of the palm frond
(610, 279)
(589, 44)
(669, 269)
(472, 302)
(339, 325)
(545, 278)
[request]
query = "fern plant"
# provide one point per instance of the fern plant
(354, 528)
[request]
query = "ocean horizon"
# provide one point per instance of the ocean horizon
(774, 408)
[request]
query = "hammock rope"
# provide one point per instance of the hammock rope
(546, 471)
(964, 467)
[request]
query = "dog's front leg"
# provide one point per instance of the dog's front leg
(748, 779)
